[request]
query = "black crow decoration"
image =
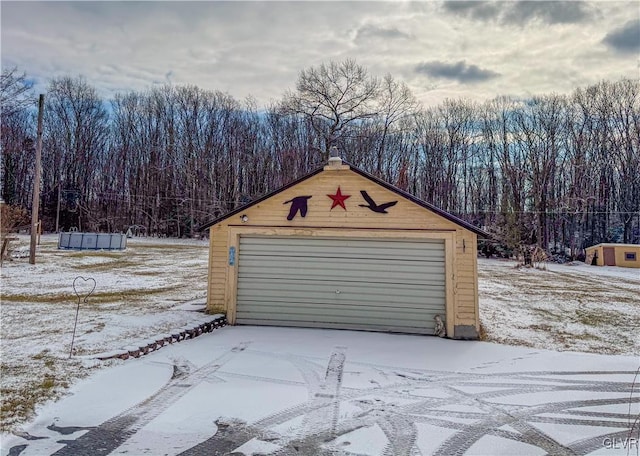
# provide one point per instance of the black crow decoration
(380, 208)
(299, 203)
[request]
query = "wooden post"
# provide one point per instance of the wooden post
(36, 185)
(58, 209)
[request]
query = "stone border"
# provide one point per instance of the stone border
(152, 345)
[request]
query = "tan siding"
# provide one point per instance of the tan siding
(619, 254)
(466, 284)
(218, 269)
(466, 319)
(466, 299)
(620, 251)
(405, 215)
(273, 212)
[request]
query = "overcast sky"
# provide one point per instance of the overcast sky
(470, 49)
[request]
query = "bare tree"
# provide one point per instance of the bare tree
(561, 167)
(15, 92)
(333, 97)
(16, 135)
(624, 106)
(539, 137)
(430, 139)
(76, 133)
(396, 104)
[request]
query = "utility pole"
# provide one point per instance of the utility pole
(58, 210)
(36, 185)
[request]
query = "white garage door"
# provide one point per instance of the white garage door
(366, 284)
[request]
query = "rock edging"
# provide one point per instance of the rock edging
(152, 345)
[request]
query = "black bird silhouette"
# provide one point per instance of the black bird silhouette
(299, 203)
(382, 208)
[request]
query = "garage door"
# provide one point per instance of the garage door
(365, 284)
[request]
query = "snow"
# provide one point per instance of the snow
(254, 379)
(531, 399)
(155, 286)
(565, 434)
(110, 391)
(257, 447)
(494, 445)
(430, 437)
(275, 383)
(369, 440)
(574, 306)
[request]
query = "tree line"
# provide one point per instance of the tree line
(558, 171)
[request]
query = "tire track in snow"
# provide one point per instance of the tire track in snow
(396, 419)
(109, 435)
(320, 413)
(403, 442)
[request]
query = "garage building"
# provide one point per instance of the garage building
(625, 255)
(339, 248)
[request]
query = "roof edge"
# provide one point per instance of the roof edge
(419, 202)
(371, 177)
(260, 199)
(612, 244)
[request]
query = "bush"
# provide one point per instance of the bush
(12, 218)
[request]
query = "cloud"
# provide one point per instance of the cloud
(625, 39)
(259, 48)
(459, 71)
(522, 12)
(550, 12)
(479, 10)
(370, 31)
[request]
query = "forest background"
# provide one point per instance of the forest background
(559, 171)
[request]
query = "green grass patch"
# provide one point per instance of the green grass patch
(18, 404)
(597, 318)
(97, 328)
(119, 263)
(43, 354)
(175, 247)
(542, 327)
(548, 314)
(585, 336)
(93, 253)
(96, 298)
(148, 273)
(47, 359)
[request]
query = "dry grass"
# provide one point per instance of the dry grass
(482, 333)
(96, 298)
(48, 382)
(561, 308)
(135, 298)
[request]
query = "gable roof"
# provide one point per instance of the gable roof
(366, 175)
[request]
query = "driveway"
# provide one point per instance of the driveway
(284, 391)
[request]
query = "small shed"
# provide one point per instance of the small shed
(625, 255)
(342, 249)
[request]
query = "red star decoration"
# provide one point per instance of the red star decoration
(338, 199)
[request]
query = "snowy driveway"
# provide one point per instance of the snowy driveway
(248, 390)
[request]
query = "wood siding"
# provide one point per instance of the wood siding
(616, 252)
(405, 220)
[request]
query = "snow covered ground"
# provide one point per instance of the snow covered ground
(249, 391)
(157, 285)
(140, 293)
(572, 306)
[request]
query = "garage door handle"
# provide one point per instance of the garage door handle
(337, 291)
